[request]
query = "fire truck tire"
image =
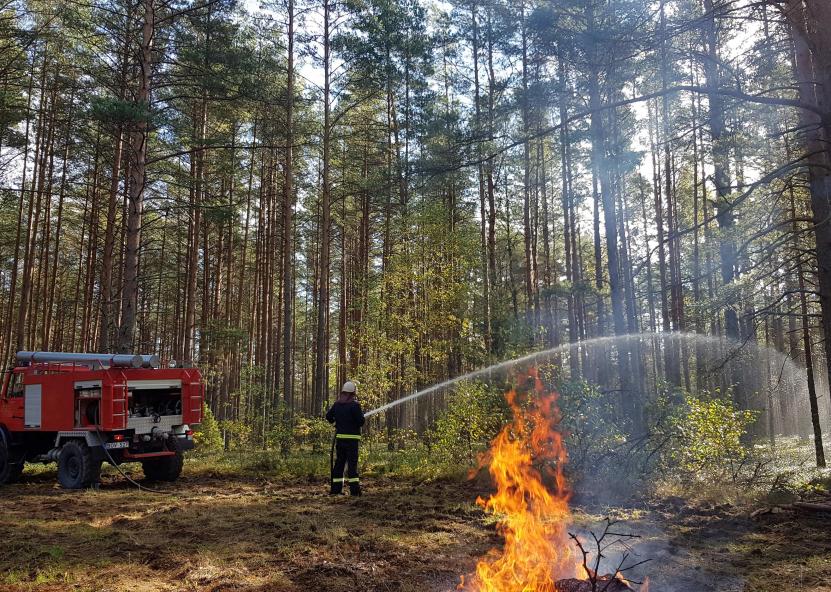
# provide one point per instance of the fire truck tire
(9, 471)
(166, 468)
(76, 467)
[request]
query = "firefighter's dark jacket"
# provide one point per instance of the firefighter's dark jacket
(347, 417)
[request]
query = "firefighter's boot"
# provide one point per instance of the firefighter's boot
(354, 486)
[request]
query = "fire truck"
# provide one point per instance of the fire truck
(81, 410)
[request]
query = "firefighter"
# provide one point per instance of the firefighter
(348, 418)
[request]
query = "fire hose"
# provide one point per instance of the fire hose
(332, 455)
(123, 474)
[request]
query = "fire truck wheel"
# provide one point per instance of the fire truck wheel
(76, 467)
(166, 468)
(10, 470)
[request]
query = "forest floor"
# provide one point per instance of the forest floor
(212, 532)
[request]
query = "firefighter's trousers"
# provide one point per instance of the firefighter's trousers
(346, 451)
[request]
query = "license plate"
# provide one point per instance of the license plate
(111, 445)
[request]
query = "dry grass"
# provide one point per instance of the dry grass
(216, 533)
(213, 532)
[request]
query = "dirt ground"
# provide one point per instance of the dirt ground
(210, 533)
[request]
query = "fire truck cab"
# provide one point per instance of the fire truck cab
(81, 410)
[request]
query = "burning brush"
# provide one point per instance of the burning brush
(527, 461)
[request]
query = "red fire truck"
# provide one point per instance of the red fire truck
(81, 410)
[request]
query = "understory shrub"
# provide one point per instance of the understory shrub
(688, 443)
(708, 437)
(281, 436)
(315, 432)
(689, 440)
(474, 415)
(208, 438)
(601, 461)
(238, 434)
(591, 424)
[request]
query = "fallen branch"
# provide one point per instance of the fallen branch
(613, 582)
(813, 506)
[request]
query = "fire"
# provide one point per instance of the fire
(533, 517)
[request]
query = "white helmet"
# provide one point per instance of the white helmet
(348, 387)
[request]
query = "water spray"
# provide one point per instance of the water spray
(729, 347)
(498, 367)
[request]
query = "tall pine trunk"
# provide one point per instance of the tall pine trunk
(320, 379)
(288, 222)
(138, 153)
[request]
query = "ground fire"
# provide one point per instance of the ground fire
(526, 462)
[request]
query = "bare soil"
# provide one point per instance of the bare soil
(212, 533)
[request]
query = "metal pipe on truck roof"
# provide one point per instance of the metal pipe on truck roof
(151, 361)
(112, 360)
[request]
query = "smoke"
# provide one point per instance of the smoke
(657, 556)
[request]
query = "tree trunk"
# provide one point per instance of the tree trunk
(138, 150)
(7, 342)
(806, 343)
(288, 221)
(486, 296)
(530, 264)
(721, 168)
(33, 219)
(320, 380)
(108, 317)
(568, 206)
(810, 26)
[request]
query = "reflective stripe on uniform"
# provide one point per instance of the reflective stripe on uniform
(354, 480)
(338, 480)
(349, 436)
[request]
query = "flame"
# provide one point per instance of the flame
(533, 518)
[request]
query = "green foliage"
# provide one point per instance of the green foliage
(238, 434)
(701, 437)
(408, 125)
(208, 437)
(709, 431)
(398, 438)
(313, 431)
(112, 110)
(281, 434)
(591, 423)
(221, 334)
(473, 417)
